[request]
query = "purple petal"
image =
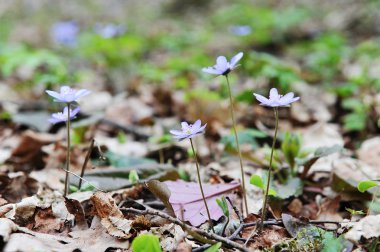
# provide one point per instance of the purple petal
(197, 124)
(273, 94)
(65, 89)
(176, 132)
(235, 59)
(211, 70)
(261, 99)
(201, 129)
(74, 112)
(82, 93)
(221, 62)
(54, 95)
(184, 125)
(55, 120)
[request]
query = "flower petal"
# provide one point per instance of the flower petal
(54, 95)
(273, 94)
(176, 132)
(261, 98)
(74, 112)
(184, 125)
(221, 63)
(235, 59)
(211, 70)
(197, 124)
(201, 129)
(55, 120)
(82, 93)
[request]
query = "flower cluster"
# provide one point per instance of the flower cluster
(66, 95)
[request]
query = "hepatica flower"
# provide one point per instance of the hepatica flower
(64, 116)
(67, 94)
(222, 66)
(110, 30)
(65, 33)
(275, 99)
(188, 130)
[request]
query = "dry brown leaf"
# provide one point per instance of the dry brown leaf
(90, 240)
(111, 217)
(16, 186)
(28, 155)
(368, 227)
(6, 228)
(369, 152)
(105, 206)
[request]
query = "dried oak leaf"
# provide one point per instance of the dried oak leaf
(111, 216)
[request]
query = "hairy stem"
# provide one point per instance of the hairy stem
(67, 182)
(200, 185)
(237, 146)
(269, 172)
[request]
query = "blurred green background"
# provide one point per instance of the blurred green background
(125, 45)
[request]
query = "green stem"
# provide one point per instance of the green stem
(269, 172)
(237, 146)
(200, 185)
(67, 180)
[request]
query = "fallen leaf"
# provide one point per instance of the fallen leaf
(187, 202)
(6, 228)
(369, 152)
(368, 227)
(28, 155)
(111, 216)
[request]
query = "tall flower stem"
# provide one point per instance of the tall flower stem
(237, 145)
(200, 184)
(67, 180)
(269, 171)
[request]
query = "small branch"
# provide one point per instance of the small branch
(212, 236)
(85, 162)
(85, 180)
(235, 210)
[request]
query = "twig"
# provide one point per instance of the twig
(235, 210)
(85, 162)
(227, 242)
(225, 225)
(85, 180)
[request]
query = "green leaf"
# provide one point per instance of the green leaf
(292, 187)
(355, 212)
(366, 184)
(330, 243)
(257, 181)
(214, 248)
(145, 243)
(133, 176)
(222, 203)
(272, 192)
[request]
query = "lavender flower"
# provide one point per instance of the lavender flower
(63, 116)
(222, 66)
(67, 94)
(241, 30)
(65, 33)
(188, 130)
(276, 100)
(110, 30)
